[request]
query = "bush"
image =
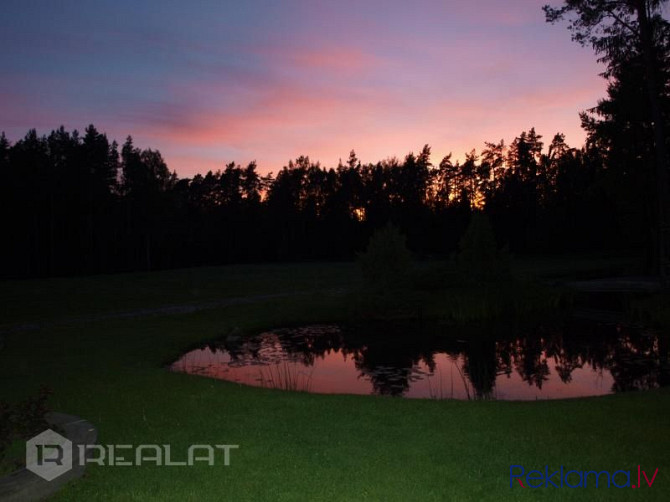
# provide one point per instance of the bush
(479, 260)
(386, 271)
(386, 263)
(23, 420)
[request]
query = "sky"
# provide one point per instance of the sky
(210, 82)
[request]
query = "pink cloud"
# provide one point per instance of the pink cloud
(284, 121)
(330, 59)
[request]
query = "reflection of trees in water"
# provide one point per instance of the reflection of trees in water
(565, 353)
(389, 356)
(391, 372)
(309, 343)
(481, 366)
(389, 377)
(530, 360)
(632, 356)
(565, 362)
(301, 345)
(635, 363)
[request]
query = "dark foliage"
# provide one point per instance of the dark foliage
(386, 262)
(23, 419)
(76, 205)
(629, 128)
(479, 260)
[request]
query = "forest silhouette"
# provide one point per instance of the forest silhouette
(76, 204)
(81, 203)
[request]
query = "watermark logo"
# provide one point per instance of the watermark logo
(157, 454)
(49, 455)
(579, 479)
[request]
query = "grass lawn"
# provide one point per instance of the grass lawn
(294, 446)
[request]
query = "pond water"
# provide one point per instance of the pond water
(572, 358)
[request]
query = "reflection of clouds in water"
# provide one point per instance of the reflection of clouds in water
(330, 359)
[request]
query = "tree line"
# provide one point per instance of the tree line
(79, 204)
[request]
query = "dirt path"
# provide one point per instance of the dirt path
(185, 308)
(636, 284)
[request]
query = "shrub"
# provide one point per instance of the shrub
(386, 263)
(24, 419)
(386, 272)
(479, 260)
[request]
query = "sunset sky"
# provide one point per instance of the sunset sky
(209, 82)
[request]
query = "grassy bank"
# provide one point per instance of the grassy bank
(653, 310)
(296, 446)
(64, 298)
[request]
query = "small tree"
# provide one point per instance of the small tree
(386, 262)
(479, 259)
(385, 268)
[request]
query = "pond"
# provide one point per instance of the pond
(570, 358)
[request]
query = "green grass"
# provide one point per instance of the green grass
(297, 446)
(63, 298)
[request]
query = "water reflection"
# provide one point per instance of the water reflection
(571, 359)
